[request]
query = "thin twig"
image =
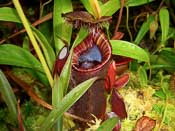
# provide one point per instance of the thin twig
(7, 4)
(78, 118)
(137, 17)
(127, 26)
(28, 89)
(42, 7)
(20, 121)
(38, 22)
(120, 15)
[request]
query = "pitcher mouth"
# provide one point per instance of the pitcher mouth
(96, 37)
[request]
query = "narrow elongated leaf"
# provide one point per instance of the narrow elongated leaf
(57, 96)
(108, 124)
(46, 47)
(110, 7)
(95, 8)
(38, 76)
(143, 30)
(66, 103)
(164, 22)
(26, 43)
(16, 56)
(80, 36)
(61, 31)
(9, 14)
(159, 93)
(128, 49)
(138, 2)
(66, 71)
(63, 81)
(107, 9)
(142, 76)
(166, 59)
(168, 56)
(57, 92)
(87, 6)
(8, 95)
(66, 6)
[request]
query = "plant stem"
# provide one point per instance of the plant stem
(127, 26)
(33, 40)
(150, 70)
(122, 2)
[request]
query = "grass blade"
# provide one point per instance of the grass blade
(8, 95)
(33, 40)
(128, 49)
(87, 5)
(66, 71)
(108, 124)
(61, 31)
(46, 47)
(95, 8)
(57, 96)
(142, 76)
(80, 36)
(66, 103)
(143, 30)
(110, 7)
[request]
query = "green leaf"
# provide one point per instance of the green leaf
(46, 47)
(66, 6)
(165, 86)
(132, 3)
(108, 124)
(61, 31)
(95, 8)
(66, 103)
(171, 33)
(87, 5)
(8, 95)
(167, 57)
(128, 49)
(26, 43)
(9, 14)
(17, 56)
(110, 7)
(165, 60)
(142, 76)
(164, 22)
(80, 36)
(61, 89)
(38, 76)
(66, 71)
(47, 30)
(160, 94)
(57, 96)
(57, 91)
(107, 9)
(144, 29)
